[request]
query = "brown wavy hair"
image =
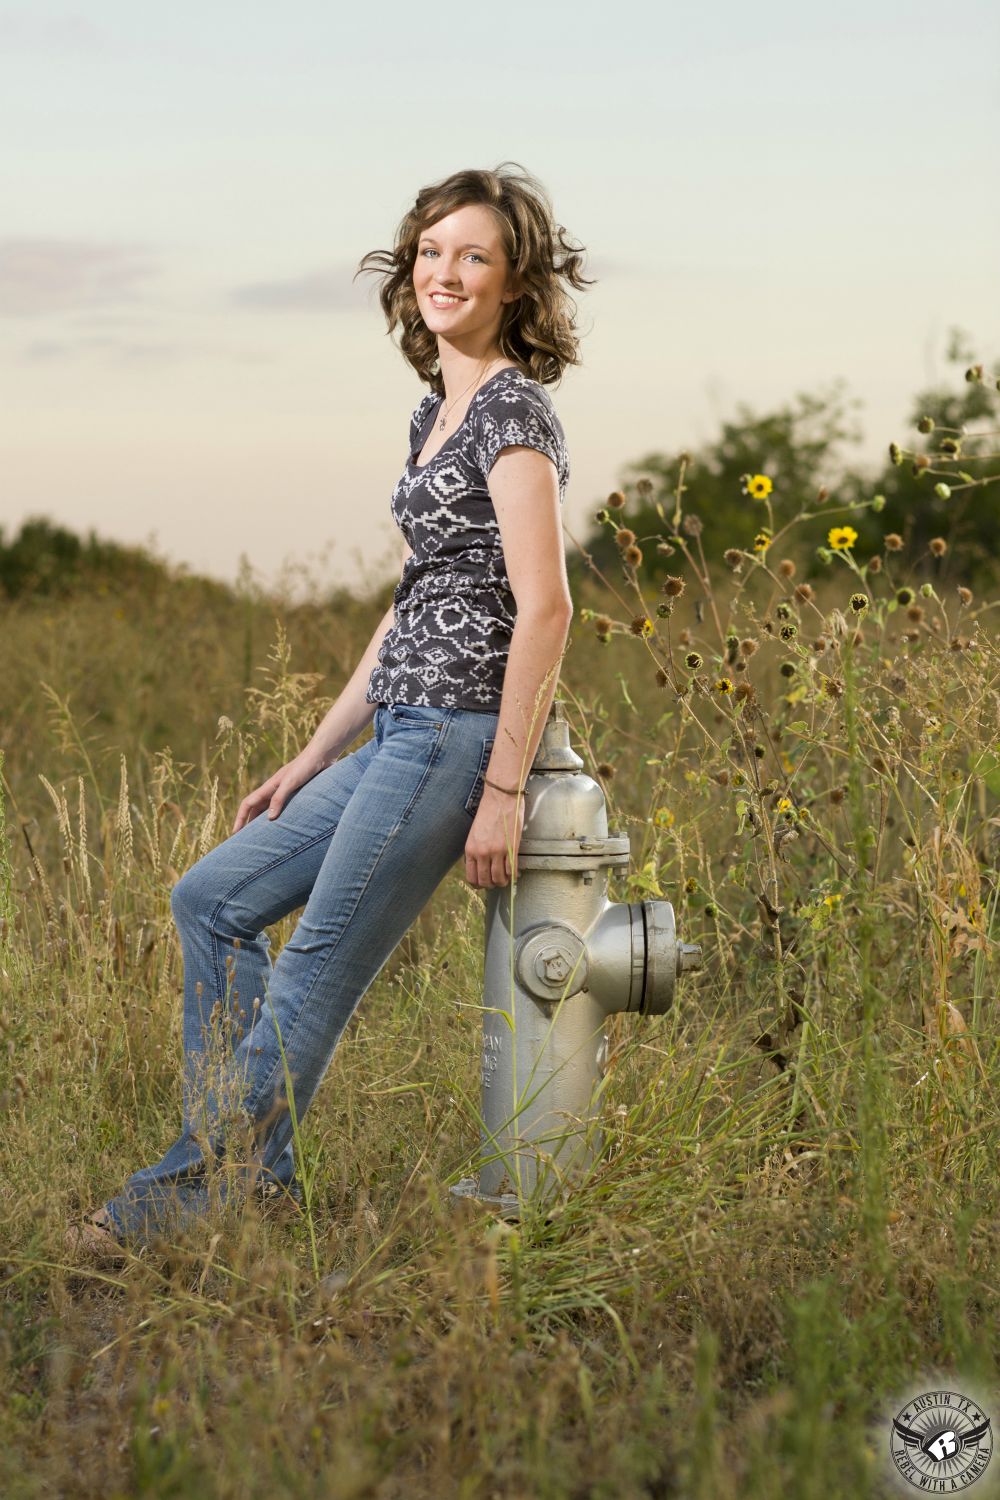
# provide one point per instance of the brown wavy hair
(538, 331)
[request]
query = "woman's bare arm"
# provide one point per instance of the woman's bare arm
(341, 726)
(524, 488)
(523, 485)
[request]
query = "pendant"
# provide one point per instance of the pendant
(441, 425)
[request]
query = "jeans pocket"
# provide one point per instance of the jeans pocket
(415, 716)
(472, 800)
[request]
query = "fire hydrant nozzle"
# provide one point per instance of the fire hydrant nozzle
(559, 959)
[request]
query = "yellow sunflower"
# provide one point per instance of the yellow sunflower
(757, 485)
(842, 538)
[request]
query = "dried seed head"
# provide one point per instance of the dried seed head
(786, 568)
(875, 564)
(938, 546)
(964, 594)
(615, 500)
(915, 613)
(624, 537)
(748, 647)
(732, 557)
(644, 485)
(692, 525)
(673, 587)
(892, 541)
(633, 556)
(803, 591)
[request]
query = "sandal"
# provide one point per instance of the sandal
(95, 1238)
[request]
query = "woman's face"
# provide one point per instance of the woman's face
(462, 258)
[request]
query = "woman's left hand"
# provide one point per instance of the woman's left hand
(492, 845)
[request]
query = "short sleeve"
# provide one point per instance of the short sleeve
(518, 415)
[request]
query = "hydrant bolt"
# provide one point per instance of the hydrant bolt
(552, 965)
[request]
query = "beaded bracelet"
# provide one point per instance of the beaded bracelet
(512, 791)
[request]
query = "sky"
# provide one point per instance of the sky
(772, 198)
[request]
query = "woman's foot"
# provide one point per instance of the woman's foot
(94, 1239)
(280, 1200)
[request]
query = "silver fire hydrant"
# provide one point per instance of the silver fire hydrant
(559, 959)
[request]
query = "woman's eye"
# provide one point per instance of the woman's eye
(429, 250)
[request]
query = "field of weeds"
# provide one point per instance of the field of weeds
(794, 1224)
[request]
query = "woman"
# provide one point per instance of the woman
(459, 677)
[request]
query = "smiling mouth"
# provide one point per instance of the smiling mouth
(441, 299)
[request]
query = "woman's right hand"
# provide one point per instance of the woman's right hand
(276, 790)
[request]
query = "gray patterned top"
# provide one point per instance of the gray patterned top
(455, 612)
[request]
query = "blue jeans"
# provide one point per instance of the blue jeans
(362, 846)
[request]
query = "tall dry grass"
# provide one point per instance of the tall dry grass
(796, 1210)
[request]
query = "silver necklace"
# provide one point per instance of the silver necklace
(444, 414)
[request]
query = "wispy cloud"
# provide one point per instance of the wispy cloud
(24, 32)
(138, 351)
(323, 291)
(41, 276)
